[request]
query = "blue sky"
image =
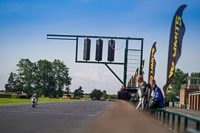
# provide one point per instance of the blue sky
(25, 23)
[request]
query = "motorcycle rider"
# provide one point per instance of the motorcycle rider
(36, 97)
(143, 94)
(157, 101)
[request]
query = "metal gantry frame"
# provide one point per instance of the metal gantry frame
(76, 37)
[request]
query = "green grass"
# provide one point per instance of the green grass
(9, 101)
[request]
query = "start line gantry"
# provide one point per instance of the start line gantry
(132, 60)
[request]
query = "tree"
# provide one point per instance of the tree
(179, 78)
(96, 94)
(78, 92)
(26, 75)
(45, 78)
(11, 85)
(61, 76)
(104, 95)
(67, 90)
(195, 74)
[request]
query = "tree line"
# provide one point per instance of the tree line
(47, 78)
(42, 77)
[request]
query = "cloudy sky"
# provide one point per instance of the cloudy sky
(24, 25)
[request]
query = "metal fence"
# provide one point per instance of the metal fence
(177, 121)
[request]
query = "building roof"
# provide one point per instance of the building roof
(193, 93)
(193, 78)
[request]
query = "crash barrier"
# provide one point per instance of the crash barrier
(74, 98)
(5, 96)
(172, 119)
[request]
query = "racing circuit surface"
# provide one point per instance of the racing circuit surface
(77, 117)
(64, 117)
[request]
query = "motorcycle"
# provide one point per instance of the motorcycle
(34, 102)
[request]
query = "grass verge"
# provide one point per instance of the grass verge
(9, 101)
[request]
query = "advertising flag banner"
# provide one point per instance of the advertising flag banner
(143, 64)
(134, 78)
(175, 45)
(152, 62)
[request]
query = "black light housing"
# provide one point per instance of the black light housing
(99, 49)
(111, 50)
(86, 51)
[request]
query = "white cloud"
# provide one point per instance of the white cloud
(95, 78)
(107, 74)
(92, 74)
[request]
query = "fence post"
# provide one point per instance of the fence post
(156, 115)
(173, 119)
(160, 116)
(197, 126)
(179, 123)
(185, 124)
(168, 117)
(164, 113)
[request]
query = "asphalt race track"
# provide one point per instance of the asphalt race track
(64, 117)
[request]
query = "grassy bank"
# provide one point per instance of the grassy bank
(9, 101)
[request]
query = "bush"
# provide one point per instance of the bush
(113, 96)
(96, 94)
